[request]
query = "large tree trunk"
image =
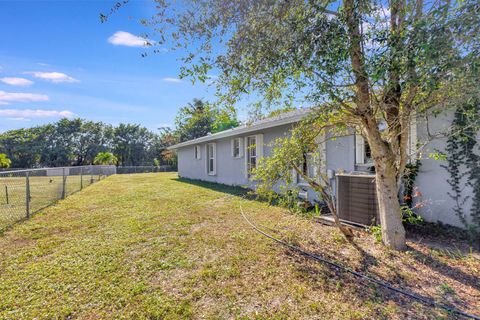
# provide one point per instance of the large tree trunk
(393, 232)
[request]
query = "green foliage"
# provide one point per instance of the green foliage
(408, 179)
(301, 50)
(463, 163)
(165, 139)
(77, 142)
(410, 217)
(132, 143)
(4, 161)
(105, 158)
(437, 156)
(288, 155)
(199, 118)
(376, 231)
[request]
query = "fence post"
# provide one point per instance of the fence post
(91, 174)
(27, 194)
(64, 182)
(6, 194)
(81, 178)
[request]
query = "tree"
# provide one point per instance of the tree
(199, 118)
(105, 158)
(4, 161)
(22, 146)
(76, 142)
(370, 65)
(167, 137)
(131, 144)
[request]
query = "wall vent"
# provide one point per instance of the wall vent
(357, 198)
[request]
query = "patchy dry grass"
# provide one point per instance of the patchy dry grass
(150, 246)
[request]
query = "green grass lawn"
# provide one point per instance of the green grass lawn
(44, 191)
(151, 246)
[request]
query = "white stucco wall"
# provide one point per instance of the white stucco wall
(432, 178)
(230, 170)
(340, 156)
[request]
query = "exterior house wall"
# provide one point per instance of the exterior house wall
(437, 205)
(339, 156)
(230, 170)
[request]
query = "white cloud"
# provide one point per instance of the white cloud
(13, 81)
(9, 97)
(174, 80)
(26, 114)
(55, 77)
(19, 119)
(122, 38)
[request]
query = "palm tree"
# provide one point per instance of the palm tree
(105, 158)
(4, 161)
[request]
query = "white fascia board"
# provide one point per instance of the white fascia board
(238, 131)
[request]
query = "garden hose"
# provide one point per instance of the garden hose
(423, 300)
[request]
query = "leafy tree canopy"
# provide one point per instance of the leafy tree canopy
(4, 161)
(77, 142)
(105, 158)
(199, 118)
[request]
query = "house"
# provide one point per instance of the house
(226, 157)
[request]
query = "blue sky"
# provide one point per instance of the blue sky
(56, 60)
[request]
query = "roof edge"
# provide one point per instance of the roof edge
(241, 130)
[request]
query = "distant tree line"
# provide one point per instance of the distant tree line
(75, 142)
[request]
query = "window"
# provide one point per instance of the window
(198, 153)
(308, 168)
(237, 147)
(211, 159)
(253, 152)
(363, 153)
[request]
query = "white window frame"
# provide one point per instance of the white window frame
(240, 148)
(360, 157)
(309, 165)
(211, 171)
(197, 152)
(258, 152)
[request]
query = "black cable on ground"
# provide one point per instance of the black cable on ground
(381, 283)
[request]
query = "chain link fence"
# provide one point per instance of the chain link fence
(24, 192)
(145, 169)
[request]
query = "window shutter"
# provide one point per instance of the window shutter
(240, 147)
(259, 146)
(245, 153)
(232, 147)
(198, 152)
(214, 147)
(359, 149)
(206, 158)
